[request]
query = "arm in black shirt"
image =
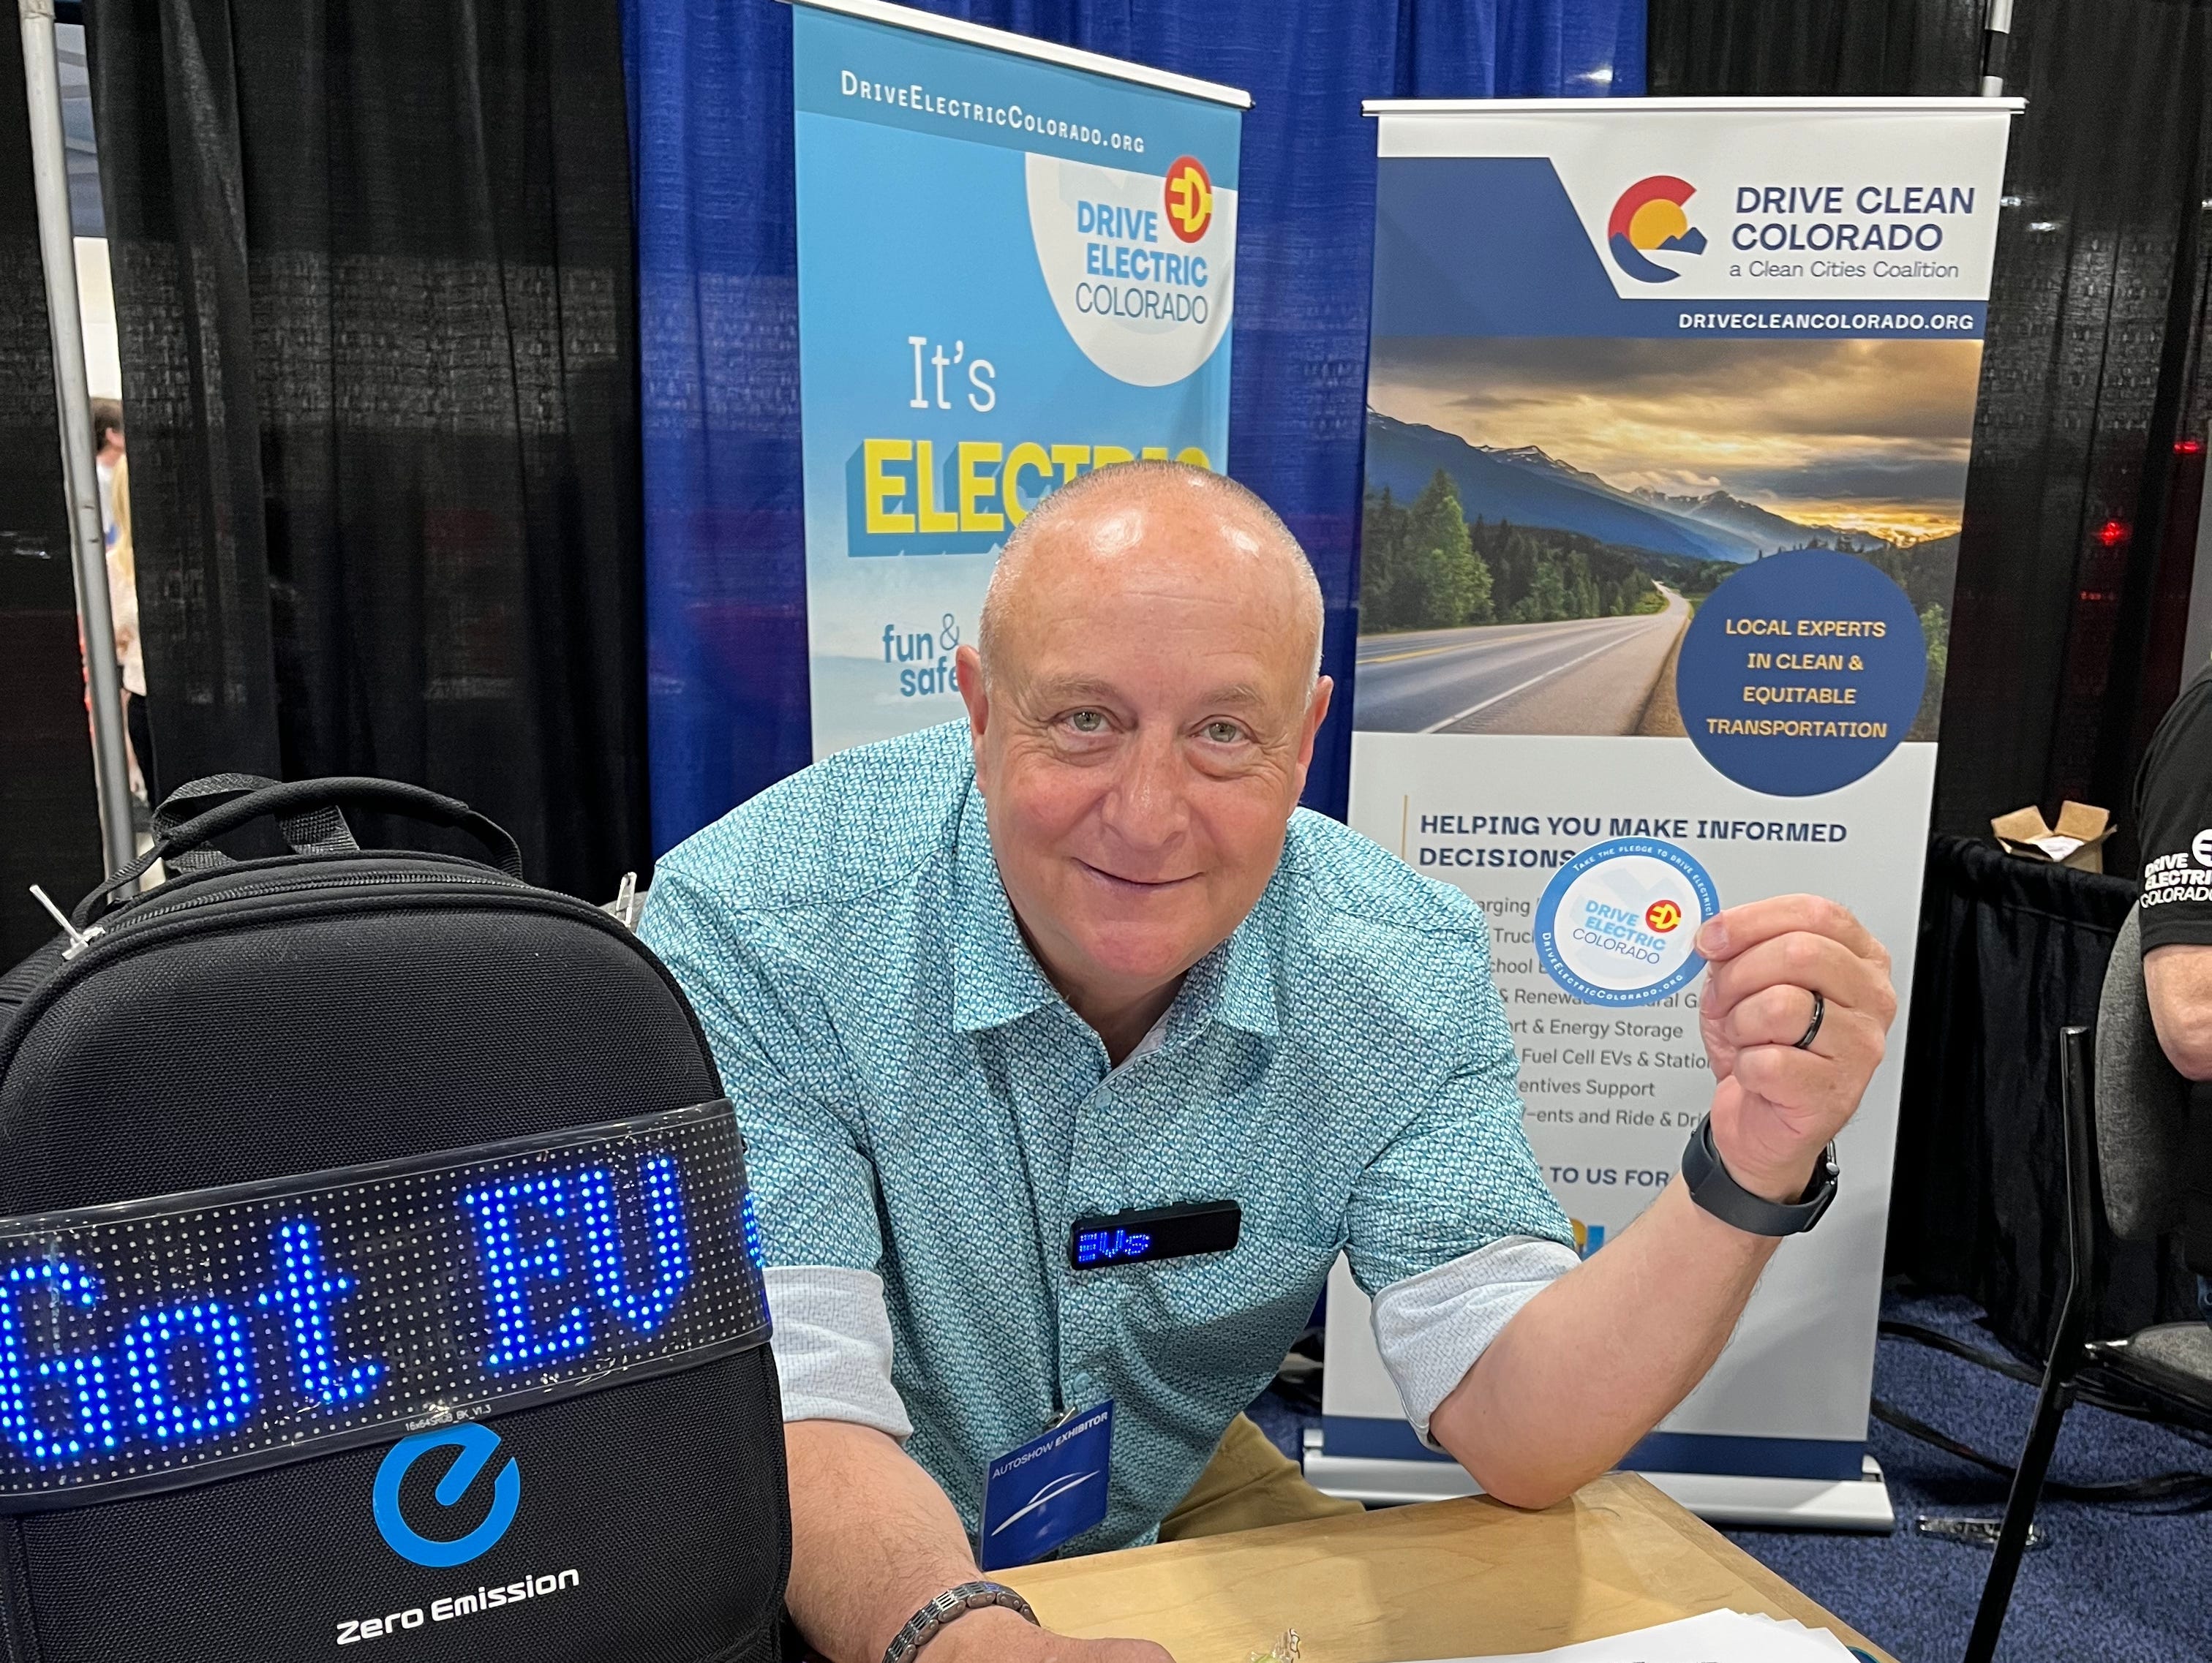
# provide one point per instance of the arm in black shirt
(2174, 819)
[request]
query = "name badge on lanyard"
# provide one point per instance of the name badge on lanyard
(1047, 1490)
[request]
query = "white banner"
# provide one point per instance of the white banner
(1669, 410)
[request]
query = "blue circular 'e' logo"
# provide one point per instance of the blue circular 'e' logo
(1801, 673)
(475, 1444)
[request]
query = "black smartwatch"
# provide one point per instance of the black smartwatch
(927, 1623)
(1711, 1188)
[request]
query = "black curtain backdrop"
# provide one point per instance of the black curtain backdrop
(49, 813)
(2011, 950)
(373, 275)
(2094, 393)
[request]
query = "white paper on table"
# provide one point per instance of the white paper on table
(1720, 1636)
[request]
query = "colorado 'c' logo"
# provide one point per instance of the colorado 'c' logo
(1662, 916)
(1189, 199)
(1649, 220)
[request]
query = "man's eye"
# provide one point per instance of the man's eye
(1088, 721)
(1224, 733)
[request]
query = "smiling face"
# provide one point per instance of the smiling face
(1145, 728)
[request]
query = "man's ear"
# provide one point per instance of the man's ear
(967, 672)
(1316, 713)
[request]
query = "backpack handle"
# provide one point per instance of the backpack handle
(305, 799)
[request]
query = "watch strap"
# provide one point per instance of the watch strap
(925, 1624)
(1712, 1188)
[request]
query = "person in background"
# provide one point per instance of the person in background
(122, 603)
(2174, 822)
(107, 455)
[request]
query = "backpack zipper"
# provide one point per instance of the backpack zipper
(292, 885)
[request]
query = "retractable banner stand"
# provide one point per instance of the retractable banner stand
(1669, 405)
(1017, 263)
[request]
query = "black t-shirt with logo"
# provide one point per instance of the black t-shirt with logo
(2174, 822)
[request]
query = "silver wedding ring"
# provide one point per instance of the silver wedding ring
(1812, 1028)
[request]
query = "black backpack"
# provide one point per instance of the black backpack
(376, 1271)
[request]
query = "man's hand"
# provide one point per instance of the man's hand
(873, 1539)
(1776, 1107)
(1003, 1636)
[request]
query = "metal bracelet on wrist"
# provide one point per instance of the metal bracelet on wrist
(925, 1624)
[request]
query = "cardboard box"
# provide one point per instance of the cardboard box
(2078, 839)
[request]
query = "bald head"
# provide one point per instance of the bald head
(1153, 638)
(1144, 522)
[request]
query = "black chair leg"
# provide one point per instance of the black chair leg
(2067, 1355)
(2051, 1406)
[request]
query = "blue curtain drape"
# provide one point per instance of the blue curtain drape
(710, 113)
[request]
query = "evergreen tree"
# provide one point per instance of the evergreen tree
(1381, 562)
(1450, 586)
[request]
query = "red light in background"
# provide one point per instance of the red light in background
(2189, 446)
(2111, 533)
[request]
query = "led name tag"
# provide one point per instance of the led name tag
(1137, 1238)
(169, 1341)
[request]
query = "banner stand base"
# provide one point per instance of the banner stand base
(1862, 1506)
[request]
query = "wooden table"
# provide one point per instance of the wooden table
(1444, 1579)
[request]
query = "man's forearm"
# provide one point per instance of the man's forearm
(2177, 981)
(1598, 1358)
(873, 1540)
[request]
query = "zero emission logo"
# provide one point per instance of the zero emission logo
(477, 1443)
(1649, 220)
(1189, 197)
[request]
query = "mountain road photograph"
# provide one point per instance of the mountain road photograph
(1570, 675)
(1543, 517)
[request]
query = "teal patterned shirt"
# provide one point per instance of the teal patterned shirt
(926, 1116)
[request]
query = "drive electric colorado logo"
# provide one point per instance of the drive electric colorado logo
(1189, 197)
(1647, 219)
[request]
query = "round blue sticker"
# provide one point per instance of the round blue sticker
(1618, 925)
(1801, 672)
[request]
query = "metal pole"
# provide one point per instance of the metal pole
(111, 769)
(1996, 38)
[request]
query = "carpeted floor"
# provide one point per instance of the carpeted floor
(2119, 1584)
(2115, 1585)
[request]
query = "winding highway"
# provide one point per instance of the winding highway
(1578, 676)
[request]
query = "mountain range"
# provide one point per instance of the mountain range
(1530, 487)
(1769, 530)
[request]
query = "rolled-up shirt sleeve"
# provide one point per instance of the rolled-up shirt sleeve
(832, 1347)
(1431, 1327)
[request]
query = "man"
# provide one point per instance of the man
(1084, 954)
(2174, 822)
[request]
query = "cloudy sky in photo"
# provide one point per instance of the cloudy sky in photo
(1871, 434)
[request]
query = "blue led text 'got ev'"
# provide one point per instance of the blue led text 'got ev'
(141, 1340)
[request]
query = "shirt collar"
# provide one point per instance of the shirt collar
(996, 979)
(1233, 984)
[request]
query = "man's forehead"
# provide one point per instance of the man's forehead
(1067, 686)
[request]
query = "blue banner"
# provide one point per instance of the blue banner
(1011, 269)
